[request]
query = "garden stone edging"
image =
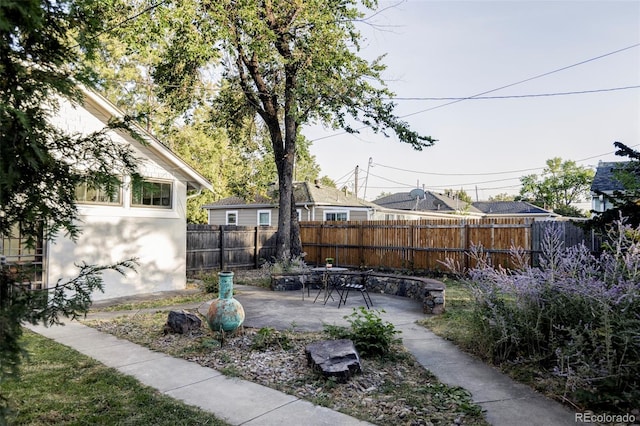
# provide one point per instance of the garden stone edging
(426, 290)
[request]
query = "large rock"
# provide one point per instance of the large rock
(334, 358)
(182, 322)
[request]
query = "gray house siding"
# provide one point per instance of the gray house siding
(245, 217)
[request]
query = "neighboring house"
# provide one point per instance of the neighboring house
(418, 200)
(604, 182)
(314, 202)
(515, 209)
(429, 202)
(147, 222)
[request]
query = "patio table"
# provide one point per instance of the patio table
(331, 279)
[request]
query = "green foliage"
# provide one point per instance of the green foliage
(370, 335)
(284, 266)
(561, 184)
(574, 317)
(570, 211)
(286, 64)
(502, 197)
(460, 194)
(20, 304)
(40, 165)
(268, 337)
(208, 282)
(45, 44)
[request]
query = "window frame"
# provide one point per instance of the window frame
(336, 212)
(101, 192)
(260, 212)
(227, 213)
(162, 184)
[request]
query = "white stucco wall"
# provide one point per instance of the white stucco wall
(158, 243)
(154, 235)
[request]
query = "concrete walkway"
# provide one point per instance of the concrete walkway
(241, 402)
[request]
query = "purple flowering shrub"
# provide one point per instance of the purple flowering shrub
(577, 314)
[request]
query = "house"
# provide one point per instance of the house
(146, 222)
(605, 183)
(314, 202)
(427, 202)
(514, 209)
(418, 200)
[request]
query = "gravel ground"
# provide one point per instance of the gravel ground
(395, 390)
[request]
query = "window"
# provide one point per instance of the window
(23, 258)
(98, 194)
(264, 217)
(232, 218)
(336, 216)
(151, 194)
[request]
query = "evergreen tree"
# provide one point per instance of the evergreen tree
(43, 43)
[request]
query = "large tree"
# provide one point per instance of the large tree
(294, 62)
(215, 135)
(561, 184)
(42, 42)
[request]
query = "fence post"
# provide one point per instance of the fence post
(256, 239)
(222, 262)
(360, 243)
(467, 245)
(319, 260)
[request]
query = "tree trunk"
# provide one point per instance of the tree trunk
(296, 241)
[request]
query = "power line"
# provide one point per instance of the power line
(458, 174)
(501, 87)
(525, 80)
(537, 95)
(491, 173)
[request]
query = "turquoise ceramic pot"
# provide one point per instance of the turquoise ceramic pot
(225, 313)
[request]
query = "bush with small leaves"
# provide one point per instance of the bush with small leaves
(268, 337)
(370, 335)
(576, 315)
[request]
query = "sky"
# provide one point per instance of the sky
(458, 49)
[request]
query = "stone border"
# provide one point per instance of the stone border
(426, 290)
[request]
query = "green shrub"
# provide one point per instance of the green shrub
(575, 316)
(207, 281)
(370, 335)
(268, 337)
(296, 264)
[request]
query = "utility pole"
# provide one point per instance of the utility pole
(366, 181)
(355, 187)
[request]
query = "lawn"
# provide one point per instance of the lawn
(59, 386)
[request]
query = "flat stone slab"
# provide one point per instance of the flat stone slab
(334, 358)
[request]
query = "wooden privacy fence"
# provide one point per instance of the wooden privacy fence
(423, 245)
(216, 247)
(412, 245)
